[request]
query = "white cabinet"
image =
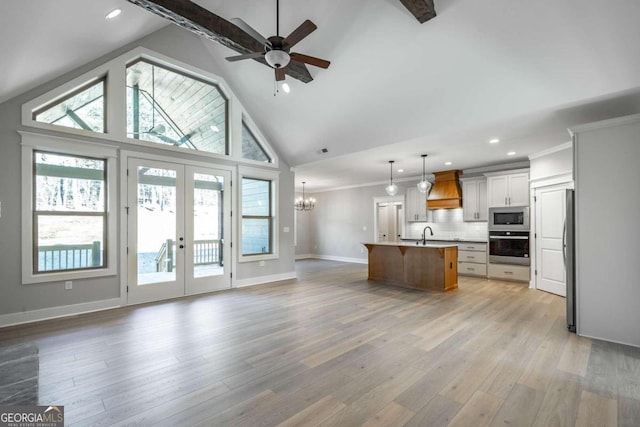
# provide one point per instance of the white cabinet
(416, 205)
(519, 273)
(508, 189)
(472, 259)
(474, 199)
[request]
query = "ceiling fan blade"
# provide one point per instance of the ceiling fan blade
(279, 74)
(311, 60)
(306, 28)
(245, 56)
(250, 30)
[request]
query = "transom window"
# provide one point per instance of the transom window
(84, 108)
(251, 148)
(168, 107)
(70, 212)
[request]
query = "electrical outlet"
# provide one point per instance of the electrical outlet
(261, 263)
(286, 229)
(68, 285)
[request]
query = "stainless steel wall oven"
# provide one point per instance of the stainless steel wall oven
(509, 247)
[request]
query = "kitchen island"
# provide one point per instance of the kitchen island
(430, 266)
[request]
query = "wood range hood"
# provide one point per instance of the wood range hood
(446, 192)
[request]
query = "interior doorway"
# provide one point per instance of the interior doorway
(389, 219)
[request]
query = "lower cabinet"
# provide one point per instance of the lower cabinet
(520, 273)
(472, 259)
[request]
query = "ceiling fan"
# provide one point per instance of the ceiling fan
(276, 49)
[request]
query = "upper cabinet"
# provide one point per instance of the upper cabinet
(416, 205)
(474, 199)
(508, 188)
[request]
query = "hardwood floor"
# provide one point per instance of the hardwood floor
(332, 349)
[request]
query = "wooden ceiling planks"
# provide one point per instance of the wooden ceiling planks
(201, 21)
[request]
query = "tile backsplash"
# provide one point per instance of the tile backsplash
(447, 224)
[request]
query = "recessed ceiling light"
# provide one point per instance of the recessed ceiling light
(400, 170)
(494, 141)
(113, 14)
(286, 88)
(214, 128)
(448, 163)
(511, 153)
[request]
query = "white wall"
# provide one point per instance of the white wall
(552, 163)
(607, 184)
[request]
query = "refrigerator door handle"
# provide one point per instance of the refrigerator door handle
(564, 242)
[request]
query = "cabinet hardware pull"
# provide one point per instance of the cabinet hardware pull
(508, 272)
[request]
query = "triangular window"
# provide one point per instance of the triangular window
(251, 148)
(83, 108)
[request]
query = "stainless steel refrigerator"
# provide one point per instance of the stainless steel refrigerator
(568, 248)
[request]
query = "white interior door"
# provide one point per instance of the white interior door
(550, 216)
(178, 230)
(383, 222)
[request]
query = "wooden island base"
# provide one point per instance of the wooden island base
(433, 267)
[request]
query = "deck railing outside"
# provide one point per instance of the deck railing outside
(205, 252)
(69, 257)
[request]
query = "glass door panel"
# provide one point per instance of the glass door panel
(156, 211)
(155, 230)
(206, 249)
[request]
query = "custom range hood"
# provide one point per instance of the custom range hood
(446, 192)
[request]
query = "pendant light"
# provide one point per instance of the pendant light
(303, 204)
(391, 189)
(424, 186)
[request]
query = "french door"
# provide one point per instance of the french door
(179, 225)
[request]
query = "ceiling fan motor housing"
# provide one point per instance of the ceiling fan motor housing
(277, 56)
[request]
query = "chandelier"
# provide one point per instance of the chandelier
(303, 204)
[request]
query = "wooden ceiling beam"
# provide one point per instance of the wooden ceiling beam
(201, 21)
(423, 10)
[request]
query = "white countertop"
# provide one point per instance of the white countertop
(412, 244)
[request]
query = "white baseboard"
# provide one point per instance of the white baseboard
(241, 283)
(55, 312)
(341, 259)
(304, 256)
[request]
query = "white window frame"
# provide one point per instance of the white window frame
(115, 98)
(274, 177)
(54, 144)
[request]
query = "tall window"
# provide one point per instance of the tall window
(251, 148)
(257, 217)
(84, 109)
(69, 212)
(170, 108)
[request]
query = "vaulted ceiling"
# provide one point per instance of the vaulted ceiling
(519, 71)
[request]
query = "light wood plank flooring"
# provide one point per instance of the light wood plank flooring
(332, 349)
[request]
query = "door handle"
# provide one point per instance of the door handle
(564, 242)
(181, 246)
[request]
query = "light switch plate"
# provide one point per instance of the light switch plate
(68, 285)
(286, 229)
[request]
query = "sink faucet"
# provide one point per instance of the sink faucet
(424, 234)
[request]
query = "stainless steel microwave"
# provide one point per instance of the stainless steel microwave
(512, 218)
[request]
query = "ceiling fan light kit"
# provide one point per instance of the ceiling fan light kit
(277, 58)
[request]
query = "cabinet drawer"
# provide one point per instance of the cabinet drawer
(509, 272)
(470, 269)
(470, 256)
(472, 247)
